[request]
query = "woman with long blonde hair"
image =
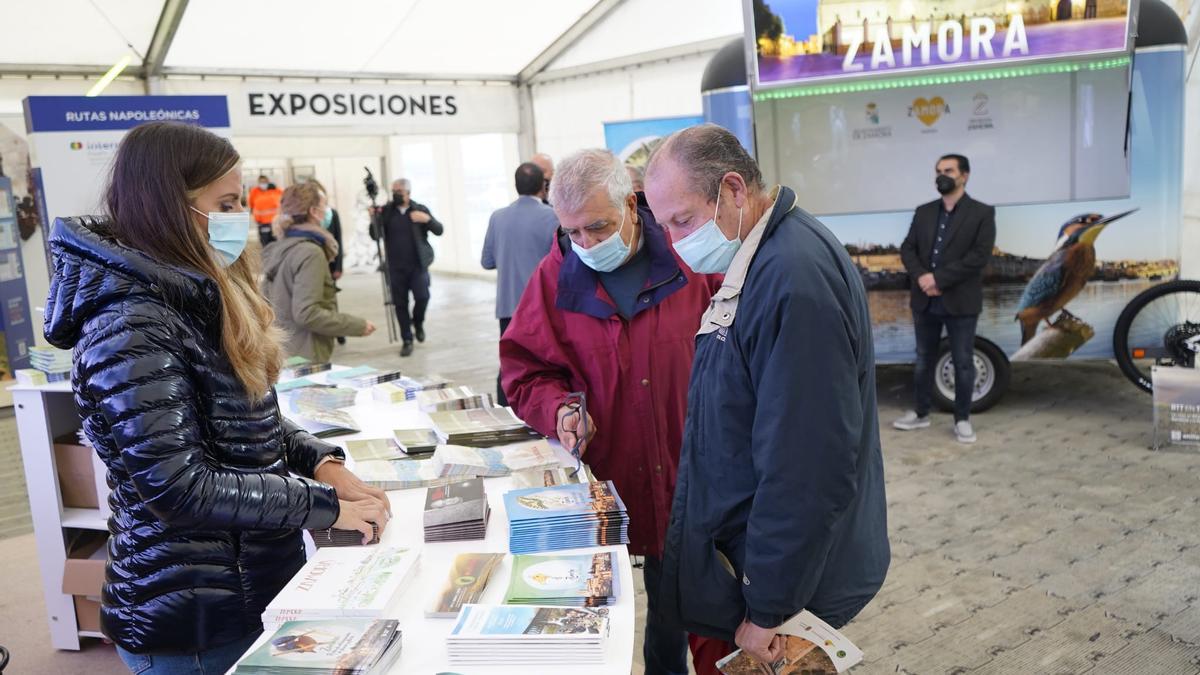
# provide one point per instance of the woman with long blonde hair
(297, 280)
(175, 359)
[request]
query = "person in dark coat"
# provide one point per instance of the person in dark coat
(945, 252)
(405, 226)
(611, 312)
(174, 365)
(779, 504)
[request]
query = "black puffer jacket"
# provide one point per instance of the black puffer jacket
(206, 518)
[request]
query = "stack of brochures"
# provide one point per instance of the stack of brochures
(321, 398)
(369, 449)
(452, 462)
(481, 428)
(459, 460)
(558, 475)
(402, 474)
(54, 364)
(465, 584)
(585, 580)
(416, 441)
(298, 367)
(456, 512)
(406, 388)
(566, 516)
(333, 647)
(452, 398)
(537, 636)
(332, 536)
(339, 583)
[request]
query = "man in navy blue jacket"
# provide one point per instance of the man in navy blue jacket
(779, 504)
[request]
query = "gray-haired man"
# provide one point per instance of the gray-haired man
(779, 504)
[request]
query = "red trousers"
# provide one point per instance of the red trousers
(707, 651)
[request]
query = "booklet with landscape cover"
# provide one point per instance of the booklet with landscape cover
(450, 463)
(508, 634)
(566, 516)
(812, 647)
(355, 581)
(559, 475)
(325, 423)
(331, 647)
(482, 427)
(374, 448)
(465, 584)
(585, 580)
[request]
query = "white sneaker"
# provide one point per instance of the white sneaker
(963, 432)
(911, 421)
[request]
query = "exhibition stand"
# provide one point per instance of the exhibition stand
(71, 576)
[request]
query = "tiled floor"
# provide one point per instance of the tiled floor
(1058, 544)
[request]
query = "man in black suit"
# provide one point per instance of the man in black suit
(406, 226)
(948, 244)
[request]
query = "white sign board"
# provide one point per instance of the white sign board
(393, 109)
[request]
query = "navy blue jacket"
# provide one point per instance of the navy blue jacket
(781, 472)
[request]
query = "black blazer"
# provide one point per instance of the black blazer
(968, 247)
(419, 232)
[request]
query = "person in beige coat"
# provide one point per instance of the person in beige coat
(297, 281)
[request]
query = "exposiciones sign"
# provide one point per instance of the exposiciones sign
(413, 108)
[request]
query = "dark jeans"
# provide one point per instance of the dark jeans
(403, 283)
(215, 661)
(665, 649)
(501, 399)
(961, 329)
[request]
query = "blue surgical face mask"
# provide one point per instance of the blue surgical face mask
(706, 250)
(227, 234)
(328, 219)
(608, 254)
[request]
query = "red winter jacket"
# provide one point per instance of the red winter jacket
(566, 336)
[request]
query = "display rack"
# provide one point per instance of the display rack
(45, 413)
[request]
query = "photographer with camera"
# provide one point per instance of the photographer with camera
(404, 226)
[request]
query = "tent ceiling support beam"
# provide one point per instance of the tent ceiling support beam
(164, 35)
(280, 75)
(572, 35)
(68, 70)
(700, 48)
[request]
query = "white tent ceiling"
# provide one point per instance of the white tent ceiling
(77, 32)
(427, 39)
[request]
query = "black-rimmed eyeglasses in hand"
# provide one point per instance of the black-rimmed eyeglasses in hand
(576, 405)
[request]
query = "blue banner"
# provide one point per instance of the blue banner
(107, 113)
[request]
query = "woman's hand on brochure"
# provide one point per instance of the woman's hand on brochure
(350, 487)
(568, 429)
(359, 515)
(764, 644)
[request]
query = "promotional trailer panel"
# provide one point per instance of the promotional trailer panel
(1046, 148)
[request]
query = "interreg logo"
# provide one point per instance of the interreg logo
(872, 113)
(76, 145)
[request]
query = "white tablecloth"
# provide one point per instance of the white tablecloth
(424, 640)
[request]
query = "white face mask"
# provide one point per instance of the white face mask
(608, 254)
(706, 250)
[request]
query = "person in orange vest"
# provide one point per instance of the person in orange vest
(264, 205)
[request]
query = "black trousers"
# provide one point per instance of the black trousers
(961, 329)
(403, 283)
(665, 649)
(501, 399)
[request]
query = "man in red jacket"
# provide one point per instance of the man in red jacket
(612, 312)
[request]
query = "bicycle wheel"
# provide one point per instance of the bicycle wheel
(1159, 326)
